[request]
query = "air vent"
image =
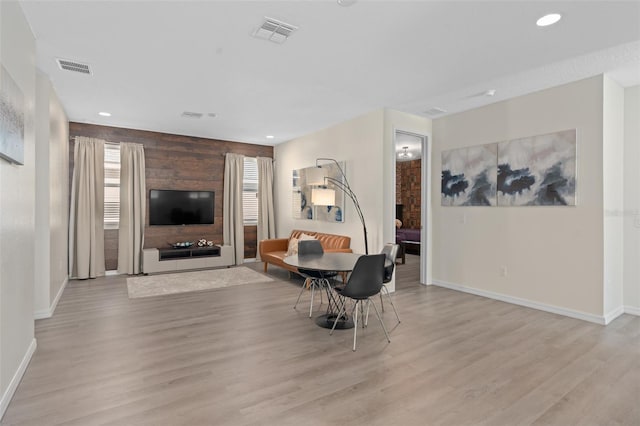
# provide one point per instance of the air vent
(274, 31)
(435, 111)
(189, 114)
(74, 66)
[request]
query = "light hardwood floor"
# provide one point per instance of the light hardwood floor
(242, 356)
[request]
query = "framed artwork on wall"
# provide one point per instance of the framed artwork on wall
(538, 170)
(11, 119)
(302, 206)
(533, 171)
(469, 176)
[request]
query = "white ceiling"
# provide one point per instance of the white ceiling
(153, 60)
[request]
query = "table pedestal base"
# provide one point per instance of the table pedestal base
(326, 321)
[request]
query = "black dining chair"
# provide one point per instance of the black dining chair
(313, 279)
(391, 252)
(365, 281)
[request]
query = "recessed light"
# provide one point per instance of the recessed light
(105, 114)
(270, 136)
(346, 3)
(549, 19)
(490, 92)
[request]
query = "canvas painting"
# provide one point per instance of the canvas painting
(469, 176)
(301, 200)
(302, 207)
(11, 119)
(538, 170)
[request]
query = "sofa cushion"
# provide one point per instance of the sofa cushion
(293, 247)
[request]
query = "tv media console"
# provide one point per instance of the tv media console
(181, 259)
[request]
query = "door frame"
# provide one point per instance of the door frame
(425, 199)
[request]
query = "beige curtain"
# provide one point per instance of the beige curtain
(132, 208)
(232, 219)
(266, 217)
(86, 215)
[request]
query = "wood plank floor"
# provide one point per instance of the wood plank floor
(242, 356)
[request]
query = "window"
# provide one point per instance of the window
(111, 186)
(250, 191)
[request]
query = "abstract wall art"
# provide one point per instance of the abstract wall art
(11, 119)
(538, 170)
(302, 208)
(469, 176)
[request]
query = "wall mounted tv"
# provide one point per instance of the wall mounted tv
(171, 207)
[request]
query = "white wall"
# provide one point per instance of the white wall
(357, 142)
(58, 198)
(17, 211)
(632, 200)
(553, 255)
(613, 202)
(42, 243)
(52, 195)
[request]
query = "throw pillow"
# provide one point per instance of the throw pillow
(398, 223)
(293, 247)
(307, 237)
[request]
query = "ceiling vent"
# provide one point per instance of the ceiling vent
(274, 30)
(74, 66)
(189, 114)
(435, 111)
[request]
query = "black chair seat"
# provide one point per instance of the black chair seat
(365, 281)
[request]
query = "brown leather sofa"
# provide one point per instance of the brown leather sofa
(273, 251)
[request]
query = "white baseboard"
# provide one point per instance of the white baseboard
(252, 260)
(613, 314)
(632, 310)
(15, 380)
(111, 273)
(48, 313)
(524, 302)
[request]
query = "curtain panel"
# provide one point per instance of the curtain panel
(266, 215)
(132, 208)
(86, 215)
(232, 219)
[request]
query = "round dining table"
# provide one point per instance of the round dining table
(329, 262)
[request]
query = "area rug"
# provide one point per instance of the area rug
(158, 285)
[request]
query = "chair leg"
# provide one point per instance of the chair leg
(304, 286)
(313, 290)
(381, 323)
(390, 300)
(381, 302)
(366, 319)
(265, 266)
(355, 324)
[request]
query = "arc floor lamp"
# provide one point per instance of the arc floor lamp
(327, 196)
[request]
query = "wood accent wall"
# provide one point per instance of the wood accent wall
(174, 162)
(250, 242)
(408, 186)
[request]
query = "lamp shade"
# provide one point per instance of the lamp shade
(315, 176)
(323, 197)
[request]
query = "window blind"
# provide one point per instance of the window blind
(111, 186)
(250, 191)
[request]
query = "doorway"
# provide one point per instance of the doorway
(410, 195)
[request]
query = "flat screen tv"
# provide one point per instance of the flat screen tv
(171, 207)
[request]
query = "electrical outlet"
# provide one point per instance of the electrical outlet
(503, 271)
